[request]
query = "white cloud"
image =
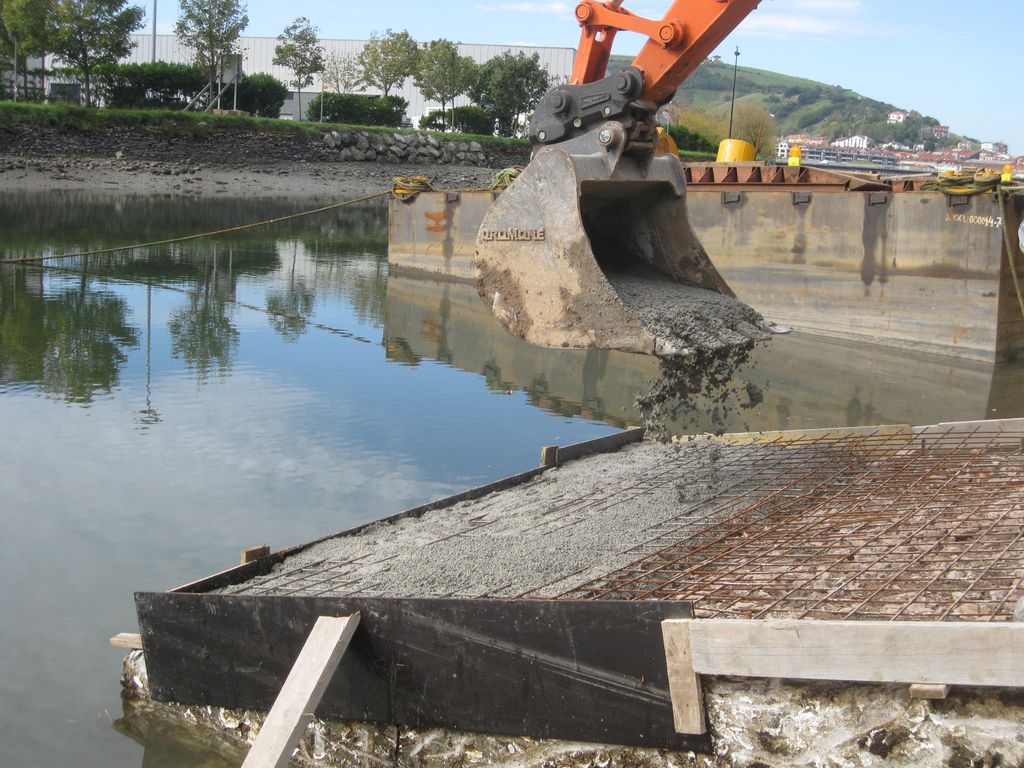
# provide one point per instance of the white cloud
(809, 18)
(557, 8)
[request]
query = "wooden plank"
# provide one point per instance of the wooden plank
(132, 642)
(302, 691)
(549, 456)
(578, 670)
(683, 683)
(929, 691)
(745, 438)
(999, 431)
(254, 553)
(606, 444)
(957, 653)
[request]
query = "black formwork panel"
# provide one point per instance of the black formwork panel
(590, 671)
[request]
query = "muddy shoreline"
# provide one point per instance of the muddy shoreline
(196, 177)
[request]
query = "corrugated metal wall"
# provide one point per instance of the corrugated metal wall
(258, 53)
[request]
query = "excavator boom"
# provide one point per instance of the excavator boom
(597, 221)
(676, 46)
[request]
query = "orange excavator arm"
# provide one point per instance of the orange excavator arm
(689, 31)
(676, 45)
(591, 246)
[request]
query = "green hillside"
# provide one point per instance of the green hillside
(800, 105)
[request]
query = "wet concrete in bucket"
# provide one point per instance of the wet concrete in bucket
(688, 317)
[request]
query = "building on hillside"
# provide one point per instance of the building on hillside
(940, 131)
(258, 57)
(898, 116)
(825, 154)
(995, 147)
(854, 142)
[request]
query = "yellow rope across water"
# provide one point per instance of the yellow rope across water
(183, 238)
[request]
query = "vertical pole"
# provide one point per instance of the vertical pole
(732, 106)
(15, 35)
(154, 31)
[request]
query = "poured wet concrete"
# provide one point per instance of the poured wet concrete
(548, 535)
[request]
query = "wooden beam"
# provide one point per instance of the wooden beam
(127, 640)
(683, 683)
(254, 553)
(929, 691)
(957, 653)
(549, 456)
(301, 692)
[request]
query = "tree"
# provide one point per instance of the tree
(343, 74)
(211, 28)
(754, 125)
(509, 87)
(88, 34)
(709, 127)
(6, 46)
(28, 21)
(298, 48)
(388, 60)
(444, 74)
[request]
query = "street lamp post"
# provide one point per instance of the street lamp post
(154, 31)
(732, 106)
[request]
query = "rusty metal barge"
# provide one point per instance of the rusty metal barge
(851, 256)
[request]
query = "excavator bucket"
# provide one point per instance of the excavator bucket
(591, 247)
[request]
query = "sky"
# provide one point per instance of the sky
(957, 62)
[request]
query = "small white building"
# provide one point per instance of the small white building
(898, 116)
(854, 142)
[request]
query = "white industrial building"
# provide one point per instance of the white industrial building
(258, 57)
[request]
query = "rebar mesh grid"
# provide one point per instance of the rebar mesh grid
(887, 526)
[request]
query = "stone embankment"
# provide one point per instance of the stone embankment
(215, 143)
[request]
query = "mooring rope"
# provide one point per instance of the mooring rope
(506, 176)
(965, 183)
(407, 187)
(1005, 193)
(183, 238)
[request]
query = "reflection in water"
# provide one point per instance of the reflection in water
(59, 333)
(201, 331)
(173, 742)
(791, 382)
(71, 341)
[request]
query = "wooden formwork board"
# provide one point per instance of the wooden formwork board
(929, 654)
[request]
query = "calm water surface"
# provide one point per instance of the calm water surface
(163, 408)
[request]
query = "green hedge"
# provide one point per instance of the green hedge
(357, 109)
(260, 95)
(469, 119)
(157, 85)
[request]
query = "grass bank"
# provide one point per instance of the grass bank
(72, 119)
